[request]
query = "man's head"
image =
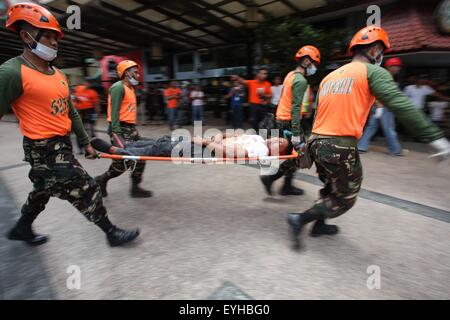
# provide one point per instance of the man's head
(308, 58)
(262, 74)
(370, 42)
(393, 65)
(128, 71)
(421, 80)
(41, 42)
(173, 84)
(38, 29)
(279, 146)
(277, 81)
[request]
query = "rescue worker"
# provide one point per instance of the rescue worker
(288, 115)
(39, 96)
(122, 116)
(344, 100)
(259, 95)
(87, 103)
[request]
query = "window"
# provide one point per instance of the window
(157, 66)
(185, 62)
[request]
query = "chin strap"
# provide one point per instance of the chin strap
(371, 60)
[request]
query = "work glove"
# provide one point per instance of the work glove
(379, 113)
(442, 146)
(90, 153)
(287, 134)
(298, 142)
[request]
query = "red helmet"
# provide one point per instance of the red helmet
(34, 14)
(393, 62)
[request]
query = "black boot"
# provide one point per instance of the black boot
(138, 192)
(289, 190)
(268, 180)
(23, 231)
(117, 237)
(102, 182)
(321, 228)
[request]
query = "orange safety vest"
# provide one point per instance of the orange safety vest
(128, 108)
(43, 108)
(284, 108)
(344, 102)
(87, 98)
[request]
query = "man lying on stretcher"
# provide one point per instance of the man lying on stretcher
(220, 146)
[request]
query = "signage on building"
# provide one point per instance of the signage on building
(442, 16)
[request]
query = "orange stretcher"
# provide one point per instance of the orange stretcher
(198, 160)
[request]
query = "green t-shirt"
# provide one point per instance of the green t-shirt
(299, 86)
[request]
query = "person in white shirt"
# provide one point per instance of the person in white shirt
(221, 145)
(197, 96)
(277, 88)
(438, 107)
(418, 92)
(245, 145)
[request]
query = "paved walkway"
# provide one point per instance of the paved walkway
(210, 232)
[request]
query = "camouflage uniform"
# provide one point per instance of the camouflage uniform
(130, 135)
(339, 168)
(56, 173)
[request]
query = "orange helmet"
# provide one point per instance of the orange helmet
(368, 35)
(309, 51)
(35, 15)
(124, 66)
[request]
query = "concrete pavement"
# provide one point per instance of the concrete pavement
(210, 232)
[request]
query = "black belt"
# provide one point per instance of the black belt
(127, 124)
(58, 138)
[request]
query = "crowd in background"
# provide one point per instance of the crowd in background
(243, 103)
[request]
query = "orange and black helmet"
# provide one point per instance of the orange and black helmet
(124, 66)
(35, 15)
(309, 51)
(368, 35)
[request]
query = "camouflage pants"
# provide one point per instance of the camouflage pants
(118, 167)
(288, 167)
(339, 168)
(56, 173)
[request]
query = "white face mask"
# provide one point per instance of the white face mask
(312, 69)
(379, 59)
(133, 81)
(42, 51)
